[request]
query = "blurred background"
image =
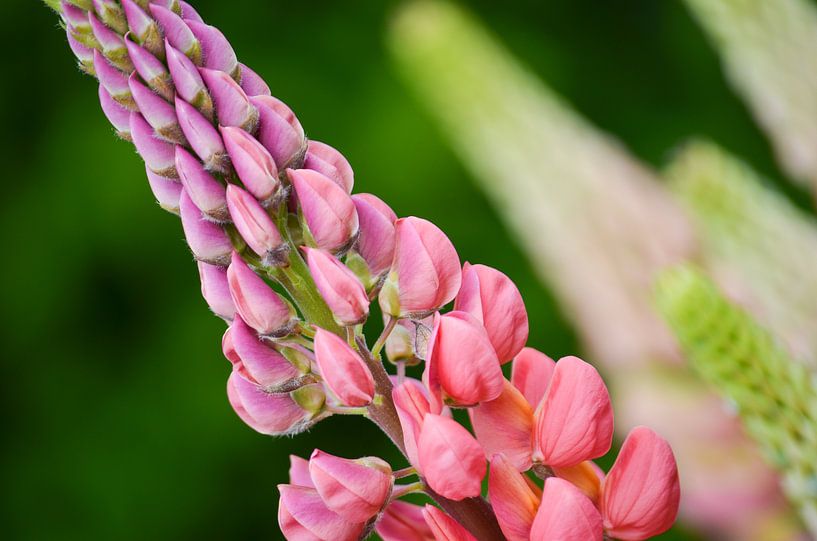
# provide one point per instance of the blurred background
(115, 419)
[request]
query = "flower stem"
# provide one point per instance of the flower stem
(381, 340)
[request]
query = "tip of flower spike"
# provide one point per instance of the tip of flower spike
(682, 292)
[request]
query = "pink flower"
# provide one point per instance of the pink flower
(233, 108)
(586, 476)
(216, 51)
(203, 137)
(462, 364)
(641, 493)
(565, 514)
(252, 162)
(425, 272)
(259, 305)
(403, 521)
(159, 156)
(514, 499)
(504, 425)
(259, 361)
(207, 241)
(355, 489)
(342, 369)
(412, 406)
(574, 422)
(494, 300)
(256, 227)
(216, 291)
(451, 460)
(339, 287)
(299, 472)
(531, 374)
(279, 131)
(167, 191)
(206, 192)
(326, 160)
(444, 527)
(303, 516)
(377, 233)
(329, 214)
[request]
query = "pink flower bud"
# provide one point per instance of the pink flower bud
(402, 521)
(118, 116)
(257, 303)
(586, 476)
(216, 290)
(462, 363)
(207, 241)
(188, 82)
(189, 13)
(505, 425)
(110, 12)
(574, 422)
(75, 19)
(259, 361)
(641, 493)
(329, 162)
(342, 369)
(329, 214)
(452, 462)
(114, 81)
(150, 69)
(167, 191)
(83, 53)
(176, 32)
(355, 489)
(565, 514)
(274, 414)
(339, 287)
(252, 162)
(141, 24)
(158, 113)
(302, 516)
(233, 108)
(159, 156)
(217, 53)
(376, 241)
(279, 131)
(531, 374)
(513, 499)
(492, 298)
(111, 44)
(445, 528)
(206, 192)
(256, 227)
(412, 406)
(203, 137)
(425, 273)
(252, 83)
(400, 343)
(299, 472)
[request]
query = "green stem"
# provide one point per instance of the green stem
(301, 288)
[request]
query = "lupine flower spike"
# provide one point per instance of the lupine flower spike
(291, 261)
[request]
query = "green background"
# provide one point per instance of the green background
(115, 420)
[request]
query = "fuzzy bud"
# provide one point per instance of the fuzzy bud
(279, 131)
(256, 227)
(329, 162)
(252, 162)
(203, 137)
(207, 241)
(342, 369)
(259, 305)
(339, 287)
(206, 192)
(233, 108)
(329, 215)
(216, 290)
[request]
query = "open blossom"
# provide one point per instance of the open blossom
(253, 196)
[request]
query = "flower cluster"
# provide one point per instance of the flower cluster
(292, 261)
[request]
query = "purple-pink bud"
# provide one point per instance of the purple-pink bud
(565, 514)
(188, 82)
(342, 369)
(83, 53)
(425, 273)
(158, 112)
(403, 521)
(329, 215)
(355, 489)
(299, 472)
(112, 45)
(252, 83)
(151, 69)
(139, 22)
(326, 160)
(233, 108)
(451, 460)
(261, 362)
(303, 516)
(206, 192)
(118, 116)
(574, 422)
(256, 227)
(492, 298)
(339, 287)
(462, 367)
(75, 19)
(114, 81)
(188, 12)
(445, 528)
(376, 241)
(176, 32)
(167, 191)
(111, 14)
(159, 156)
(203, 137)
(279, 131)
(257, 303)
(207, 241)
(252, 162)
(217, 53)
(274, 414)
(215, 290)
